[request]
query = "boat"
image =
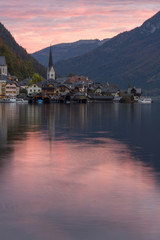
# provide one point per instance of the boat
(117, 99)
(21, 100)
(40, 101)
(8, 100)
(5, 100)
(96, 98)
(12, 100)
(145, 100)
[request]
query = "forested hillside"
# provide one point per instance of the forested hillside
(18, 60)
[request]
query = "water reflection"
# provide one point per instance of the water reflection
(136, 125)
(78, 191)
(76, 172)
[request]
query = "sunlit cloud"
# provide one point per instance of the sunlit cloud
(38, 23)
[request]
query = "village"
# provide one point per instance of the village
(79, 89)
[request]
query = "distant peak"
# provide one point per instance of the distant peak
(152, 24)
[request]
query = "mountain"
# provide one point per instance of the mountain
(18, 53)
(16, 66)
(65, 51)
(130, 57)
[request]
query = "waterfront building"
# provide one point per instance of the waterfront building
(24, 84)
(2, 87)
(135, 92)
(34, 88)
(48, 88)
(50, 71)
(12, 89)
(61, 90)
(80, 80)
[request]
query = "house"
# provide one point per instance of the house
(24, 84)
(3, 66)
(34, 88)
(61, 80)
(2, 87)
(80, 87)
(80, 79)
(113, 91)
(12, 89)
(61, 90)
(135, 92)
(98, 90)
(48, 87)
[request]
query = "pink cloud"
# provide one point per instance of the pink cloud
(35, 24)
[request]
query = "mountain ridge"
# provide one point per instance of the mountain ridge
(63, 51)
(130, 57)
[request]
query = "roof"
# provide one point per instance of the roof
(138, 90)
(61, 79)
(25, 82)
(12, 82)
(3, 77)
(48, 82)
(3, 61)
(63, 85)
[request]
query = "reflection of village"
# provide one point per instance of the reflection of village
(54, 120)
(64, 122)
(17, 121)
(73, 88)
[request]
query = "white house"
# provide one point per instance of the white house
(34, 88)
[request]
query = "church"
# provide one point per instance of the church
(50, 70)
(3, 66)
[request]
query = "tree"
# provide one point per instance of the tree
(16, 66)
(35, 78)
(129, 85)
(71, 75)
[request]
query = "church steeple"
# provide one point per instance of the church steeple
(50, 59)
(50, 70)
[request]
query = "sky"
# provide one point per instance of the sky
(35, 24)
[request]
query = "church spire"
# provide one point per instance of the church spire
(50, 71)
(50, 59)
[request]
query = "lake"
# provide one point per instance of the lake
(80, 171)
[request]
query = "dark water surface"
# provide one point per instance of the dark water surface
(80, 172)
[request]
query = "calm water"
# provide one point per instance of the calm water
(80, 172)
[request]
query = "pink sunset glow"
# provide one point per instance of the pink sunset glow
(36, 24)
(110, 198)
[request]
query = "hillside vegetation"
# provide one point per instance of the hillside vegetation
(16, 66)
(18, 60)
